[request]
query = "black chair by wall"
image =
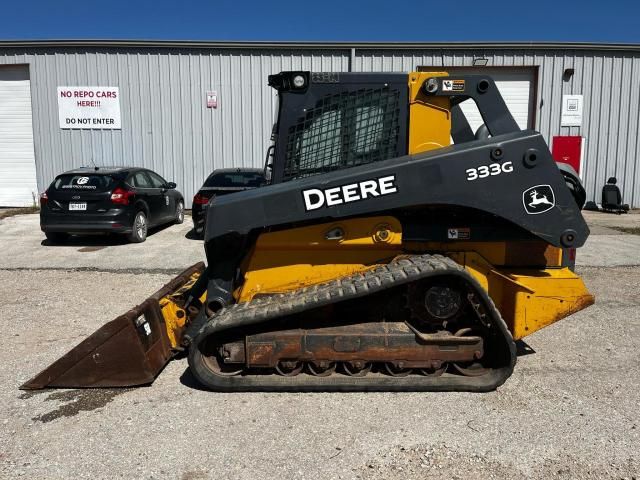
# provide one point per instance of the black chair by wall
(612, 198)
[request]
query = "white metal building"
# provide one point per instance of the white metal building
(186, 108)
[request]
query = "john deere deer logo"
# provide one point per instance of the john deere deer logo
(538, 199)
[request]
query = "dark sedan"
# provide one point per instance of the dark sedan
(124, 200)
(222, 182)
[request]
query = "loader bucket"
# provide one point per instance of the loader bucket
(128, 351)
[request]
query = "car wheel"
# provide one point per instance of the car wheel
(179, 212)
(57, 237)
(139, 229)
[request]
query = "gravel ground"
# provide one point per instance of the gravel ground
(569, 410)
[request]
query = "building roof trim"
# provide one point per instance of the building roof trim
(632, 47)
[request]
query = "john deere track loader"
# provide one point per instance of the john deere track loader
(394, 249)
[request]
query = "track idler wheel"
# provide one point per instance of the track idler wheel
(322, 369)
(357, 368)
(289, 369)
(213, 359)
(396, 369)
(474, 369)
(434, 372)
(218, 367)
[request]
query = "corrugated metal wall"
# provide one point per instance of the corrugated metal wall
(165, 123)
(609, 81)
(167, 127)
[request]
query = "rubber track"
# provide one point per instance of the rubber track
(400, 271)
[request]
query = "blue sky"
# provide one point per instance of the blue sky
(323, 20)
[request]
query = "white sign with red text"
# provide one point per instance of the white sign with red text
(89, 107)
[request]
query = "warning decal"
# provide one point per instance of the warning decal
(458, 233)
(453, 85)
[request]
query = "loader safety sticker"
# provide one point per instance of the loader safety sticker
(315, 198)
(453, 85)
(458, 233)
(325, 77)
(538, 199)
(141, 321)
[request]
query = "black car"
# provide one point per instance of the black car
(222, 182)
(125, 200)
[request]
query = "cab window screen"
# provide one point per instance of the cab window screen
(369, 129)
(95, 183)
(344, 130)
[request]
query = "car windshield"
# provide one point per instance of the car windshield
(94, 183)
(235, 179)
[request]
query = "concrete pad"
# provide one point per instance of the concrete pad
(611, 220)
(600, 230)
(609, 251)
(166, 249)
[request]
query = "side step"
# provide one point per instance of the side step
(128, 351)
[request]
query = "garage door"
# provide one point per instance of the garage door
(516, 86)
(17, 162)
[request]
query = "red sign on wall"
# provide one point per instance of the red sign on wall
(212, 99)
(568, 149)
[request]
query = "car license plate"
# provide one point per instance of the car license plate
(78, 206)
